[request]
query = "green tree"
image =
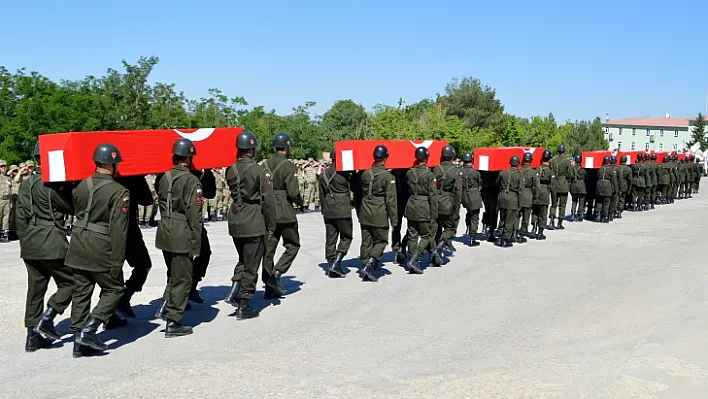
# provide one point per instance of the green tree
(475, 104)
(342, 121)
(698, 133)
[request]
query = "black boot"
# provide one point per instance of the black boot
(435, 259)
(245, 311)
(88, 336)
(317, 208)
(369, 271)
(598, 218)
(124, 304)
(618, 215)
(474, 242)
(45, 326)
(450, 247)
(507, 243)
(572, 217)
(539, 235)
(652, 206)
(560, 224)
(400, 256)
(611, 217)
(35, 341)
(232, 297)
(162, 311)
(414, 265)
(81, 351)
(115, 322)
(274, 289)
(519, 238)
(335, 269)
(581, 216)
(175, 329)
(4, 237)
(552, 225)
(194, 293)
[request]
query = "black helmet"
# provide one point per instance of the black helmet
(653, 157)
(467, 157)
(667, 158)
(332, 155)
(448, 152)
(36, 149)
(246, 141)
(640, 156)
(514, 161)
(623, 159)
(606, 160)
(421, 154)
(613, 159)
(184, 148)
(107, 154)
(561, 149)
(577, 158)
(528, 157)
(282, 141)
(546, 156)
(380, 153)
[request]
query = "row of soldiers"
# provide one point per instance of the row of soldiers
(10, 179)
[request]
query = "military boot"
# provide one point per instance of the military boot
(572, 217)
(539, 235)
(618, 215)
(115, 322)
(124, 304)
(448, 246)
(274, 289)
(414, 265)
(162, 311)
(369, 271)
(245, 311)
(88, 337)
(560, 224)
(519, 238)
(474, 242)
(581, 216)
(45, 326)
(175, 329)
(35, 341)
(400, 255)
(194, 293)
(335, 269)
(232, 297)
(317, 208)
(552, 225)
(81, 351)
(611, 217)
(4, 237)
(507, 243)
(598, 218)
(435, 259)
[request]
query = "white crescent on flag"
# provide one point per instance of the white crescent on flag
(197, 135)
(426, 144)
(530, 150)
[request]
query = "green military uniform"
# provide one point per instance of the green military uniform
(302, 187)
(614, 200)
(697, 176)
(179, 234)
(639, 176)
(310, 176)
(216, 203)
(578, 191)
(607, 185)
(526, 197)
(544, 174)
(422, 212)
(5, 202)
(472, 199)
(98, 246)
(511, 183)
(225, 194)
(449, 185)
(689, 177)
(683, 179)
(561, 168)
(201, 262)
(624, 177)
(285, 188)
(663, 180)
(653, 169)
(378, 209)
(335, 197)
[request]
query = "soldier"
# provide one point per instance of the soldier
(179, 234)
(490, 193)
(664, 179)
(12, 174)
(399, 244)
(215, 203)
(311, 184)
(689, 175)
(559, 187)
(201, 262)
(284, 176)
(226, 200)
(252, 218)
(5, 202)
(471, 197)
(527, 194)
(606, 182)
(510, 182)
(683, 176)
(624, 176)
(544, 174)
(43, 247)
(422, 211)
(654, 172)
(673, 178)
(697, 176)
(449, 181)
(378, 207)
(578, 190)
(638, 183)
(335, 197)
(302, 187)
(150, 211)
(615, 192)
(97, 248)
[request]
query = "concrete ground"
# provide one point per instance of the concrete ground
(596, 311)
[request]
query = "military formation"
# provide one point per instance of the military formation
(104, 215)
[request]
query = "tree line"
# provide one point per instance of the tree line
(468, 114)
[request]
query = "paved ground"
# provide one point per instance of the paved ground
(596, 311)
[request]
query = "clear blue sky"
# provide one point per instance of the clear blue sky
(575, 59)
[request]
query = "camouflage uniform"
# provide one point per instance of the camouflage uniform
(311, 184)
(216, 203)
(145, 212)
(301, 181)
(5, 201)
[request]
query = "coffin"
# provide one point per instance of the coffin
(69, 156)
(497, 159)
(593, 159)
(359, 154)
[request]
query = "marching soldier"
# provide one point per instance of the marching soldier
(654, 173)
(510, 182)
(97, 248)
(284, 176)
(201, 262)
(559, 188)
(526, 195)
(673, 178)
(615, 192)
(689, 175)
(422, 212)
(215, 203)
(578, 190)
(664, 179)
(683, 178)
(697, 176)
(302, 188)
(624, 177)
(377, 209)
(471, 197)
(399, 244)
(606, 186)
(638, 183)
(43, 247)
(5, 202)
(179, 234)
(449, 185)
(252, 218)
(335, 197)
(544, 174)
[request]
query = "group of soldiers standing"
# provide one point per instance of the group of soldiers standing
(10, 179)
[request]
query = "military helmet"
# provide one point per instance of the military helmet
(561, 149)
(577, 158)
(448, 152)
(640, 156)
(184, 148)
(606, 160)
(667, 158)
(421, 154)
(514, 161)
(107, 154)
(282, 141)
(36, 149)
(246, 141)
(623, 159)
(332, 155)
(467, 157)
(528, 157)
(546, 156)
(653, 156)
(380, 153)
(613, 159)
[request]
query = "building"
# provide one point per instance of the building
(658, 134)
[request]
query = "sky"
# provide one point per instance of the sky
(575, 59)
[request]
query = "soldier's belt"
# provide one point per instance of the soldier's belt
(93, 227)
(280, 192)
(175, 216)
(42, 222)
(423, 197)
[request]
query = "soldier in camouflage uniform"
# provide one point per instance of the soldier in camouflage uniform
(225, 194)
(5, 202)
(302, 185)
(311, 184)
(216, 203)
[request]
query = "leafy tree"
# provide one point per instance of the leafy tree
(698, 133)
(342, 121)
(476, 105)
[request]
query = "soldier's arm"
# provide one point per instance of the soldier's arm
(433, 197)
(291, 185)
(268, 201)
(23, 210)
(391, 200)
(193, 210)
(119, 217)
(322, 186)
(457, 193)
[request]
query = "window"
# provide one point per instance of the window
(620, 131)
(632, 148)
(661, 132)
(646, 146)
(634, 132)
(648, 131)
(675, 146)
(661, 146)
(675, 135)
(607, 129)
(619, 145)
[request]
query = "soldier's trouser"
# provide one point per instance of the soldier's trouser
(652, 199)
(638, 195)
(138, 257)
(205, 209)
(447, 224)
(524, 217)
(398, 242)
(304, 194)
(153, 214)
(201, 262)
(614, 200)
(111, 284)
(314, 193)
(472, 221)
(489, 198)
(647, 195)
(214, 205)
(661, 191)
(291, 242)
(373, 242)
(179, 283)
(421, 237)
(250, 252)
(4, 215)
(602, 205)
(621, 201)
(225, 205)
(342, 229)
(38, 274)
(11, 223)
(682, 188)
(507, 222)
(578, 205)
(558, 202)
(142, 212)
(540, 213)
